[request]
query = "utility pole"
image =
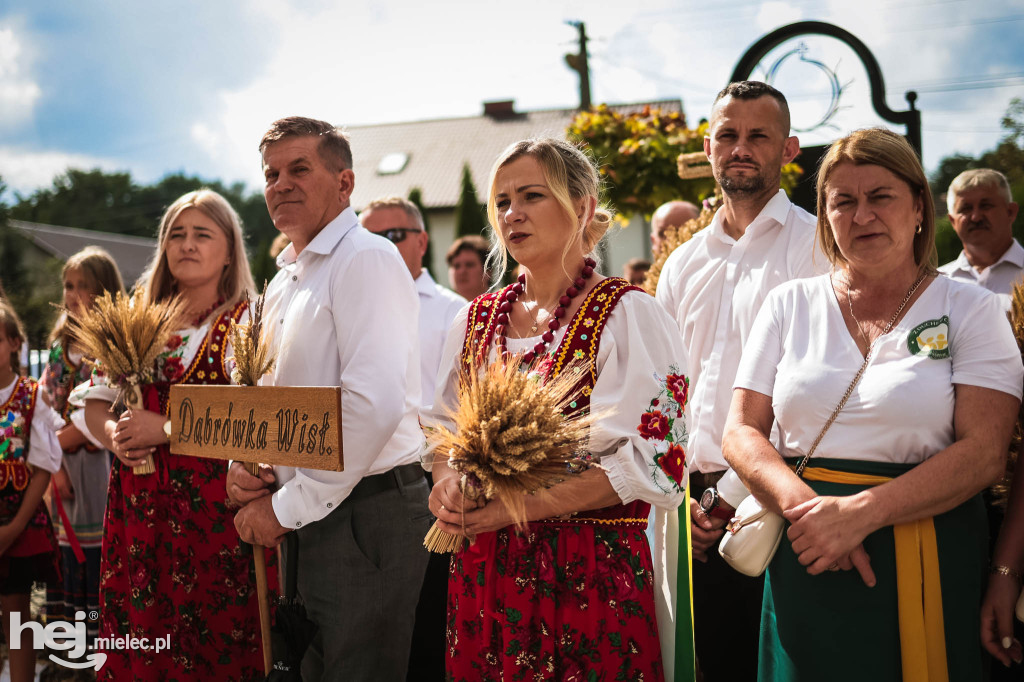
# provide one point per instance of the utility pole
(578, 63)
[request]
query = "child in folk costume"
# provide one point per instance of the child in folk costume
(29, 454)
(79, 490)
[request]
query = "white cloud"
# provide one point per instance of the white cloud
(24, 171)
(18, 92)
(771, 15)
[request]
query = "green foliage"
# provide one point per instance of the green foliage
(416, 197)
(637, 157)
(470, 215)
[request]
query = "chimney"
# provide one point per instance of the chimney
(500, 110)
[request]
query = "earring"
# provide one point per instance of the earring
(919, 228)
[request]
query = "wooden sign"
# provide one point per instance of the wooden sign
(297, 426)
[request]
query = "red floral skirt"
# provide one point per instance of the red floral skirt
(173, 565)
(558, 602)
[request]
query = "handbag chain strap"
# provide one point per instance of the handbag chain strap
(867, 358)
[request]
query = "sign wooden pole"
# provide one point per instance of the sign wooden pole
(279, 425)
(262, 593)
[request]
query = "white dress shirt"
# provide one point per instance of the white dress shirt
(998, 278)
(343, 313)
(713, 285)
(438, 308)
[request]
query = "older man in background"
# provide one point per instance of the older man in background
(671, 214)
(982, 211)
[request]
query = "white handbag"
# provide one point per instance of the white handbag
(753, 536)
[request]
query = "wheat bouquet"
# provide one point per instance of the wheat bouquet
(512, 438)
(125, 336)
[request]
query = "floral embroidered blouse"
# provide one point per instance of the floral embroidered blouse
(641, 388)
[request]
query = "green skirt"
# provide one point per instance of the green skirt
(833, 627)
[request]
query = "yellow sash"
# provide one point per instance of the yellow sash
(918, 586)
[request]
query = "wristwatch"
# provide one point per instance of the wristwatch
(711, 503)
(167, 430)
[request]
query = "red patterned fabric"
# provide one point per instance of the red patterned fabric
(37, 540)
(569, 598)
(172, 561)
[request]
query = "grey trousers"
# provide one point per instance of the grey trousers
(360, 570)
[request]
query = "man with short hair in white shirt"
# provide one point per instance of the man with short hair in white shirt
(713, 285)
(342, 311)
(982, 211)
(400, 221)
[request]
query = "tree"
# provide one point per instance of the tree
(113, 202)
(416, 197)
(30, 291)
(469, 214)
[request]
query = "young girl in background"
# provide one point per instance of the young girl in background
(81, 483)
(29, 453)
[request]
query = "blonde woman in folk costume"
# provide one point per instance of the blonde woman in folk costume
(880, 574)
(172, 561)
(576, 592)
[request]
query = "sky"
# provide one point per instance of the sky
(190, 86)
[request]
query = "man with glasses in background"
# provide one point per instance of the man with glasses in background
(401, 222)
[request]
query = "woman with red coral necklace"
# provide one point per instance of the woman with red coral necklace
(172, 563)
(575, 593)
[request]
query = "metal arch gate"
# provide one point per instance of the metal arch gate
(803, 194)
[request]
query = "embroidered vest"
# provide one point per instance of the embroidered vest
(15, 429)
(15, 472)
(579, 345)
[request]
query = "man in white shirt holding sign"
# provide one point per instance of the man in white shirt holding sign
(713, 285)
(342, 311)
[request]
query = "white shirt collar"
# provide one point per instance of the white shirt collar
(325, 240)
(1014, 255)
(774, 213)
(425, 284)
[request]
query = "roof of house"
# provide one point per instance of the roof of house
(130, 253)
(436, 150)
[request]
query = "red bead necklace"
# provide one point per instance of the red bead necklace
(505, 309)
(198, 320)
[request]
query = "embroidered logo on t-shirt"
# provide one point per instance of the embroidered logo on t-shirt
(931, 337)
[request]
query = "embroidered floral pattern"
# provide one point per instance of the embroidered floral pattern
(664, 425)
(654, 425)
(679, 386)
(12, 429)
(673, 463)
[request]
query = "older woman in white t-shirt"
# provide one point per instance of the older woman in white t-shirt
(892, 489)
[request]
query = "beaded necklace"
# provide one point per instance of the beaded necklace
(505, 309)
